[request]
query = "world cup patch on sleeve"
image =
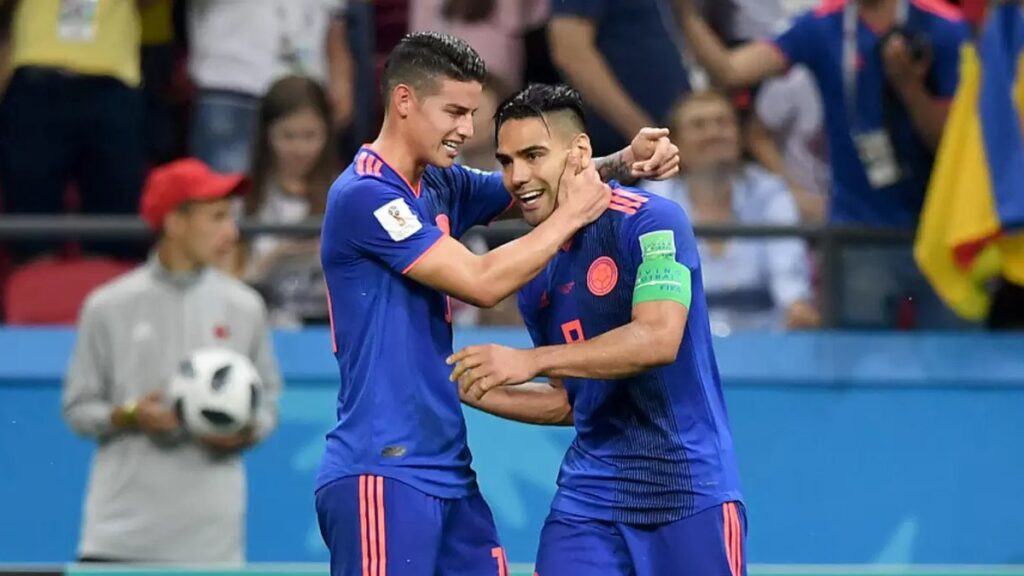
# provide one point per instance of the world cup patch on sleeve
(658, 245)
(397, 219)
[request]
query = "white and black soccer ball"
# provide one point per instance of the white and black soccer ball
(215, 392)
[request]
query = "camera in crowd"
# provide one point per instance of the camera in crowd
(918, 44)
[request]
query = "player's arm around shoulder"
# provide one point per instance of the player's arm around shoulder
(542, 403)
(485, 280)
(736, 68)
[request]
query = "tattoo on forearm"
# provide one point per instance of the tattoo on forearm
(614, 167)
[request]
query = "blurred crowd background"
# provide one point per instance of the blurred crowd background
(286, 91)
(816, 207)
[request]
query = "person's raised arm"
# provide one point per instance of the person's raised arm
(736, 68)
(650, 156)
(574, 51)
(339, 61)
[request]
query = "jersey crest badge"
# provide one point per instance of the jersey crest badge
(602, 276)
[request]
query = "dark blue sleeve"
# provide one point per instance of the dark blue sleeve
(656, 219)
(475, 197)
(589, 9)
(798, 44)
(947, 40)
(375, 220)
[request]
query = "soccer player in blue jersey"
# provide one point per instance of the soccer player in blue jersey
(649, 486)
(395, 491)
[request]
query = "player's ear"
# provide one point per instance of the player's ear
(581, 145)
(402, 98)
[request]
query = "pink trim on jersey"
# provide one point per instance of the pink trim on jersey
(630, 195)
(415, 189)
(940, 8)
(361, 163)
(421, 256)
(829, 7)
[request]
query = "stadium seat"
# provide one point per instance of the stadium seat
(51, 292)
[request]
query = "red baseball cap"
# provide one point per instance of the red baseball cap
(186, 180)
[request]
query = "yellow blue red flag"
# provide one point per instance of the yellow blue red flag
(972, 224)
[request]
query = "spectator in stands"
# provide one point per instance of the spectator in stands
(294, 163)
(493, 28)
(159, 59)
(886, 70)
(238, 48)
(156, 494)
(786, 134)
(740, 21)
(625, 58)
(6, 11)
(751, 284)
(73, 111)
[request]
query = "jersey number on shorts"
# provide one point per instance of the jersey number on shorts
(573, 331)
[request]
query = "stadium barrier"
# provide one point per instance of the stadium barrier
(828, 241)
(879, 449)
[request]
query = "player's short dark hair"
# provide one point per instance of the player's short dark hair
(540, 100)
(421, 59)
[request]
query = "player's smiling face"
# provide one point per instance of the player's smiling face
(532, 154)
(444, 120)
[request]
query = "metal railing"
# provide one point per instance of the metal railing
(828, 241)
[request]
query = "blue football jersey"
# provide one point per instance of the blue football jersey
(398, 414)
(655, 447)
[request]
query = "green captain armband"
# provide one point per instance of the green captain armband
(660, 276)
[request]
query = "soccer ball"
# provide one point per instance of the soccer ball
(215, 392)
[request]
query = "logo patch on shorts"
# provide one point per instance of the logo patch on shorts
(397, 219)
(602, 276)
(393, 451)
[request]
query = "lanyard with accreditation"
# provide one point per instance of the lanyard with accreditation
(875, 147)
